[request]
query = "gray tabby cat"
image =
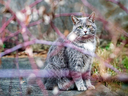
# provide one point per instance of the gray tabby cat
(83, 35)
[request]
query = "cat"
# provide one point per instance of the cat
(83, 35)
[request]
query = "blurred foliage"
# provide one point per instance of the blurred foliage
(125, 62)
(105, 53)
(4, 46)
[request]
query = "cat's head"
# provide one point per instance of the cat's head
(84, 27)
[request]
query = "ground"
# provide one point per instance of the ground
(10, 86)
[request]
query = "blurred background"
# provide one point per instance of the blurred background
(110, 11)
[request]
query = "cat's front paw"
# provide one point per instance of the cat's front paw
(81, 88)
(91, 87)
(80, 85)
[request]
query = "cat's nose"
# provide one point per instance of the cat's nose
(85, 31)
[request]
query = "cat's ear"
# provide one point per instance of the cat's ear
(74, 19)
(92, 16)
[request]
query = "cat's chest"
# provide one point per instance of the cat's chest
(89, 46)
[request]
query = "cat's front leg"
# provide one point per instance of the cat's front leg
(77, 77)
(80, 85)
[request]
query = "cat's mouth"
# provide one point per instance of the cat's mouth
(85, 38)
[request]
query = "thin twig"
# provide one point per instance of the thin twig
(119, 4)
(6, 24)
(100, 17)
(12, 73)
(17, 65)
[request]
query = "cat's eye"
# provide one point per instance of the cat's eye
(80, 27)
(88, 26)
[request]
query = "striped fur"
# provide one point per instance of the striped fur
(66, 58)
